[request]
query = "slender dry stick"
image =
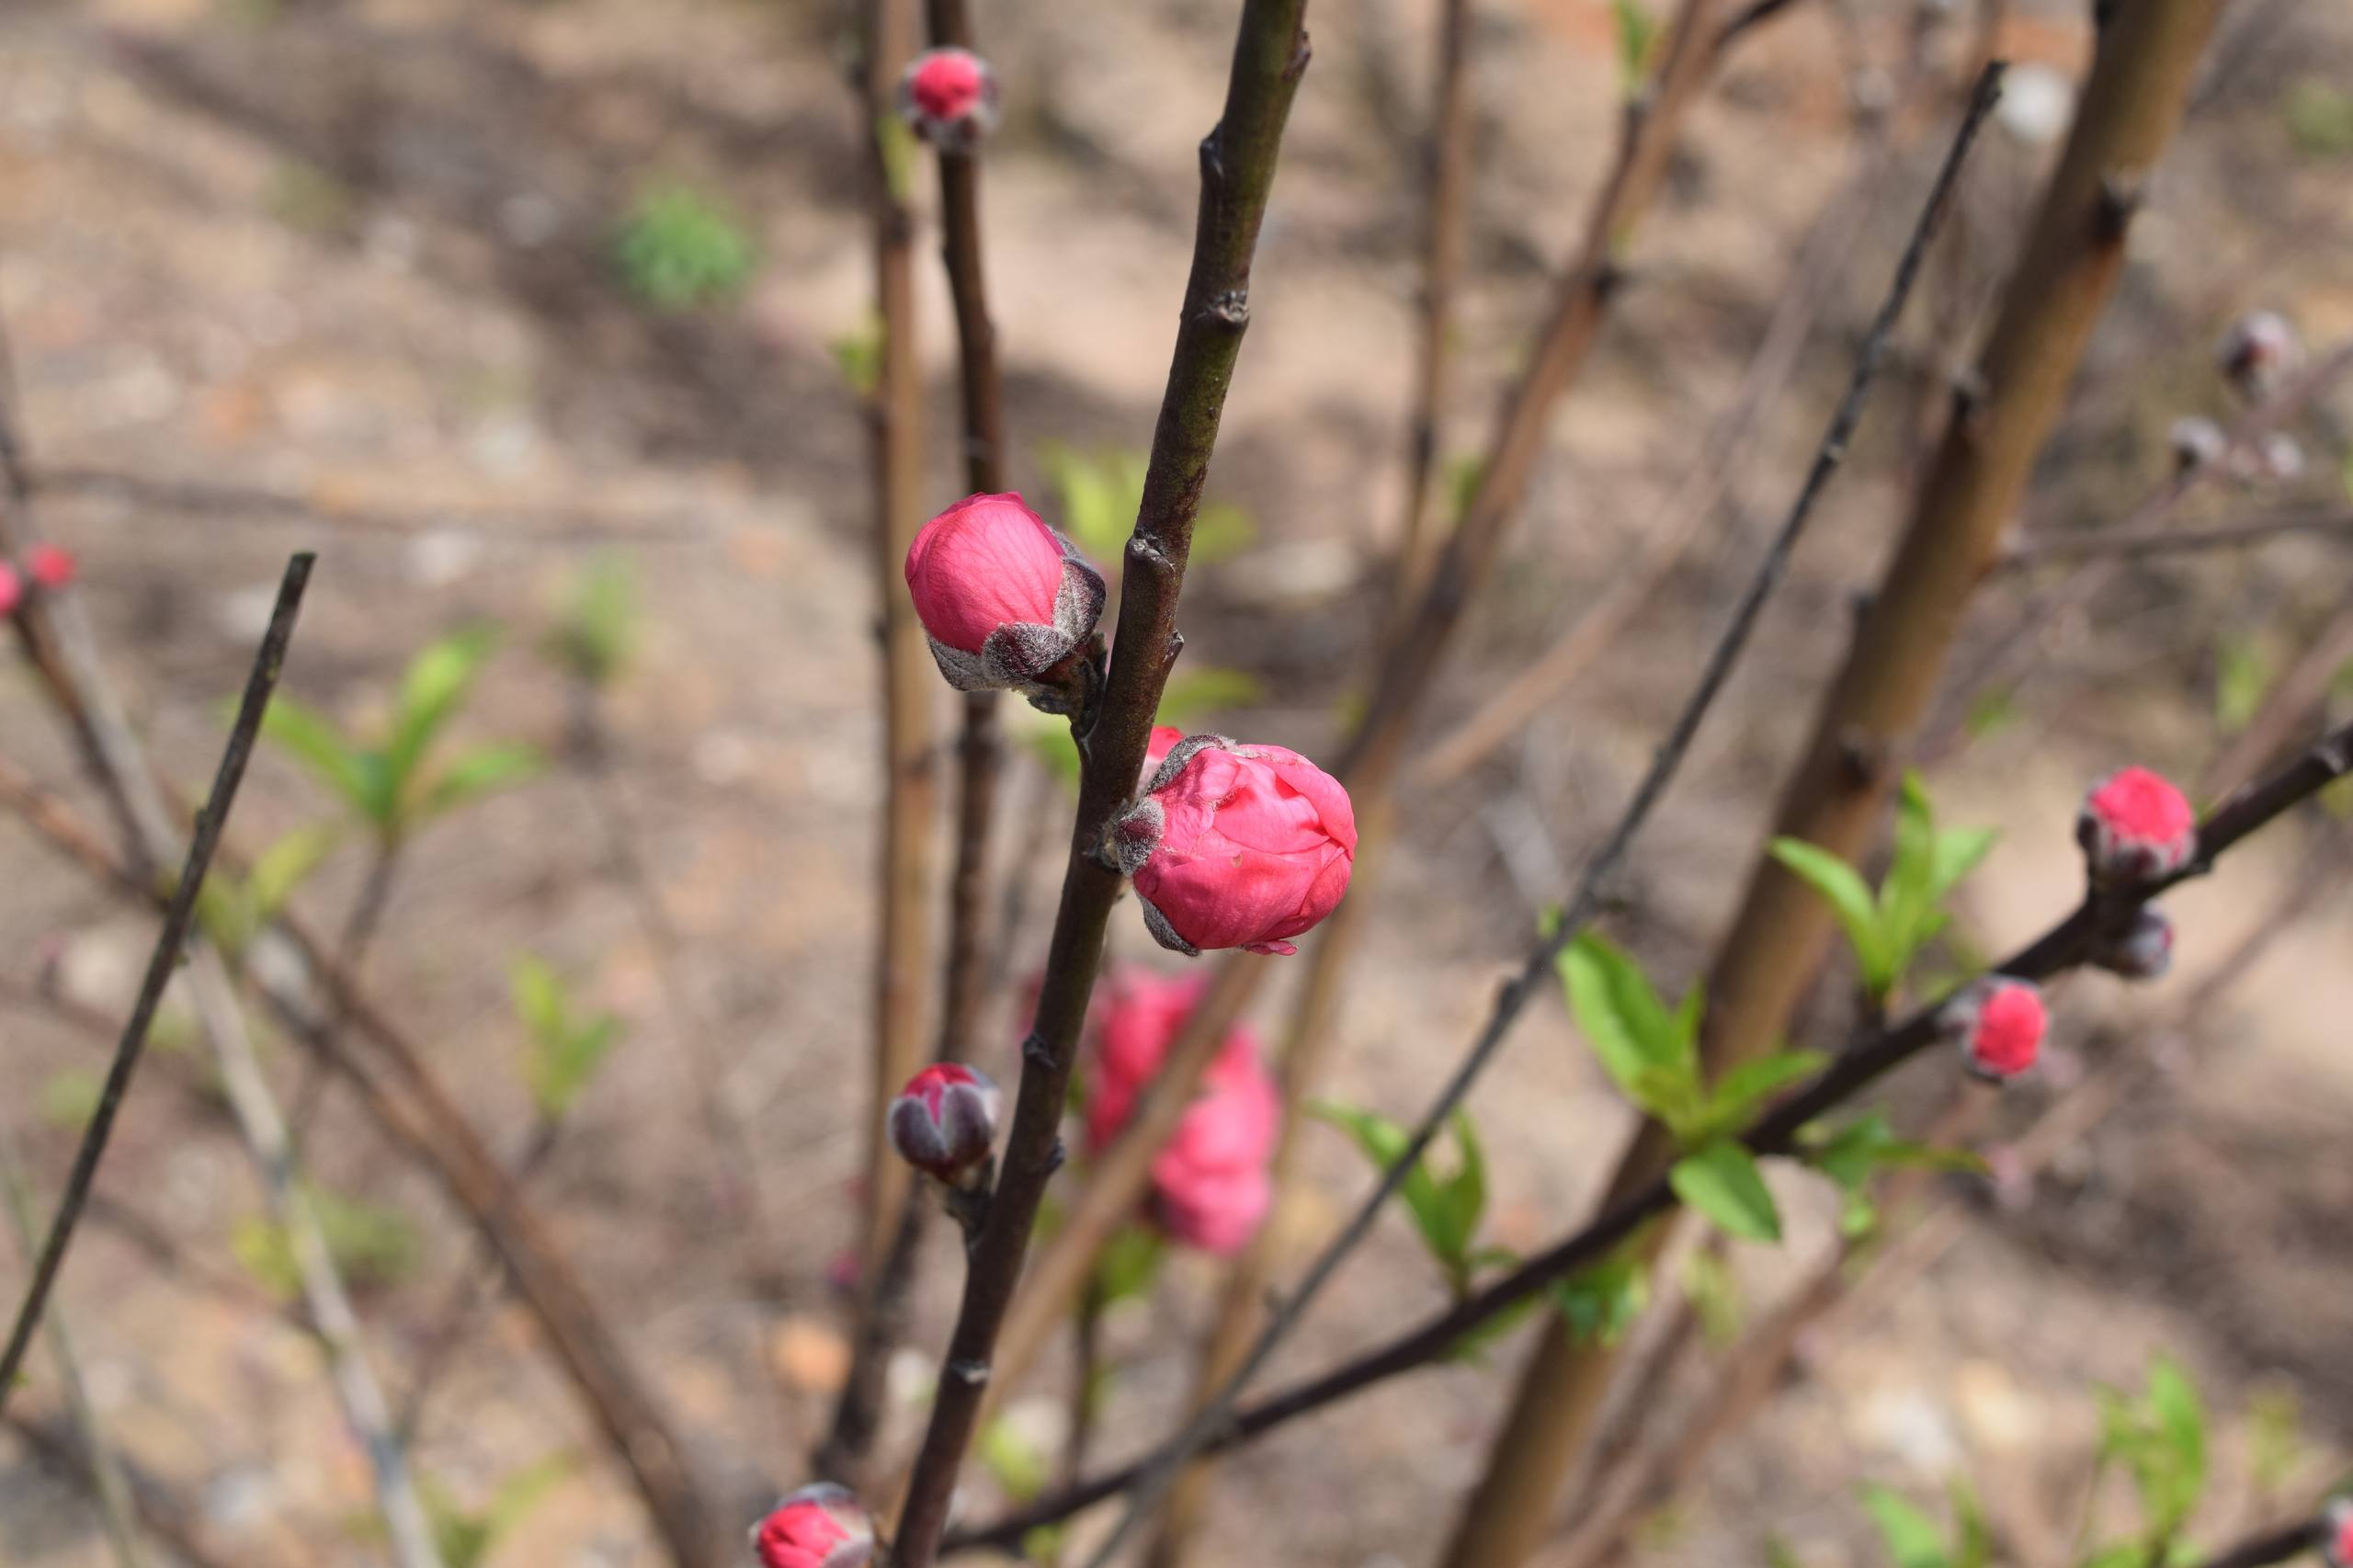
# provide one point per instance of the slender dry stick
(160, 963)
(1410, 660)
(2140, 544)
(1448, 181)
(894, 413)
(109, 1487)
(981, 387)
(2103, 914)
(159, 1513)
(2278, 1544)
(1215, 1413)
(426, 1124)
(1237, 173)
(2073, 255)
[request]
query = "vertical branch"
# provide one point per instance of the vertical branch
(1449, 179)
(893, 412)
(109, 1486)
(1237, 173)
(2063, 278)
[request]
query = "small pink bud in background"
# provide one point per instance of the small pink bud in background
(2258, 352)
(1236, 846)
(12, 589)
(817, 1527)
(944, 1121)
(2195, 441)
(949, 96)
(1999, 1024)
(2144, 951)
(2336, 1533)
(50, 567)
(2135, 826)
(1211, 1186)
(1002, 596)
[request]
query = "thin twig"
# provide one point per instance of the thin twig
(1214, 1414)
(1237, 165)
(268, 662)
(2277, 1544)
(109, 1487)
(2140, 544)
(2100, 915)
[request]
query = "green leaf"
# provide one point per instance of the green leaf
(1912, 1539)
(1636, 34)
(1382, 1142)
(1722, 1181)
(313, 740)
(371, 1244)
(1462, 477)
(1742, 1090)
(2320, 118)
(1714, 1294)
(1462, 1197)
(680, 249)
(1194, 691)
(437, 682)
(2243, 674)
(1850, 1152)
(1646, 1052)
(1099, 496)
(1958, 852)
(1848, 899)
(857, 354)
(1471, 1348)
(1019, 1467)
(1600, 1303)
(595, 622)
(286, 865)
(1131, 1260)
(477, 772)
(566, 1049)
(1973, 1542)
(2181, 1419)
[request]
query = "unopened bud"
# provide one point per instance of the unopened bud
(1002, 597)
(949, 96)
(944, 1121)
(51, 566)
(12, 589)
(2336, 1533)
(1998, 1023)
(2257, 353)
(2195, 442)
(817, 1527)
(2144, 951)
(2135, 826)
(2282, 456)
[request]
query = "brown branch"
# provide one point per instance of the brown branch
(178, 914)
(2140, 544)
(2063, 276)
(2100, 915)
(1237, 171)
(893, 412)
(161, 1514)
(2278, 1544)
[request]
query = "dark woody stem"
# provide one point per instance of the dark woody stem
(1237, 173)
(2103, 914)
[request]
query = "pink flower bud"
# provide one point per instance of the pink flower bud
(1002, 597)
(50, 567)
(2144, 951)
(1236, 846)
(1998, 1023)
(817, 1527)
(949, 96)
(2135, 826)
(1211, 1186)
(2258, 352)
(1136, 1022)
(12, 589)
(2195, 441)
(2337, 1533)
(945, 1120)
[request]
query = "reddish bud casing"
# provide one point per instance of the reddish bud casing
(1002, 597)
(1236, 845)
(2136, 826)
(2258, 352)
(949, 96)
(2144, 949)
(817, 1527)
(1998, 1023)
(50, 567)
(12, 589)
(944, 1121)
(2195, 441)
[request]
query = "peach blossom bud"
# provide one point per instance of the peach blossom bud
(12, 589)
(2195, 441)
(1236, 846)
(1998, 1023)
(50, 567)
(1211, 1185)
(2144, 950)
(1156, 749)
(2337, 1533)
(817, 1527)
(2258, 352)
(945, 1120)
(949, 96)
(1002, 596)
(2135, 826)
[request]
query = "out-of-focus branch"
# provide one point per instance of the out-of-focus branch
(159, 1513)
(2142, 544)
(2100, 915)
(2064, 274)
(1237, 163)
